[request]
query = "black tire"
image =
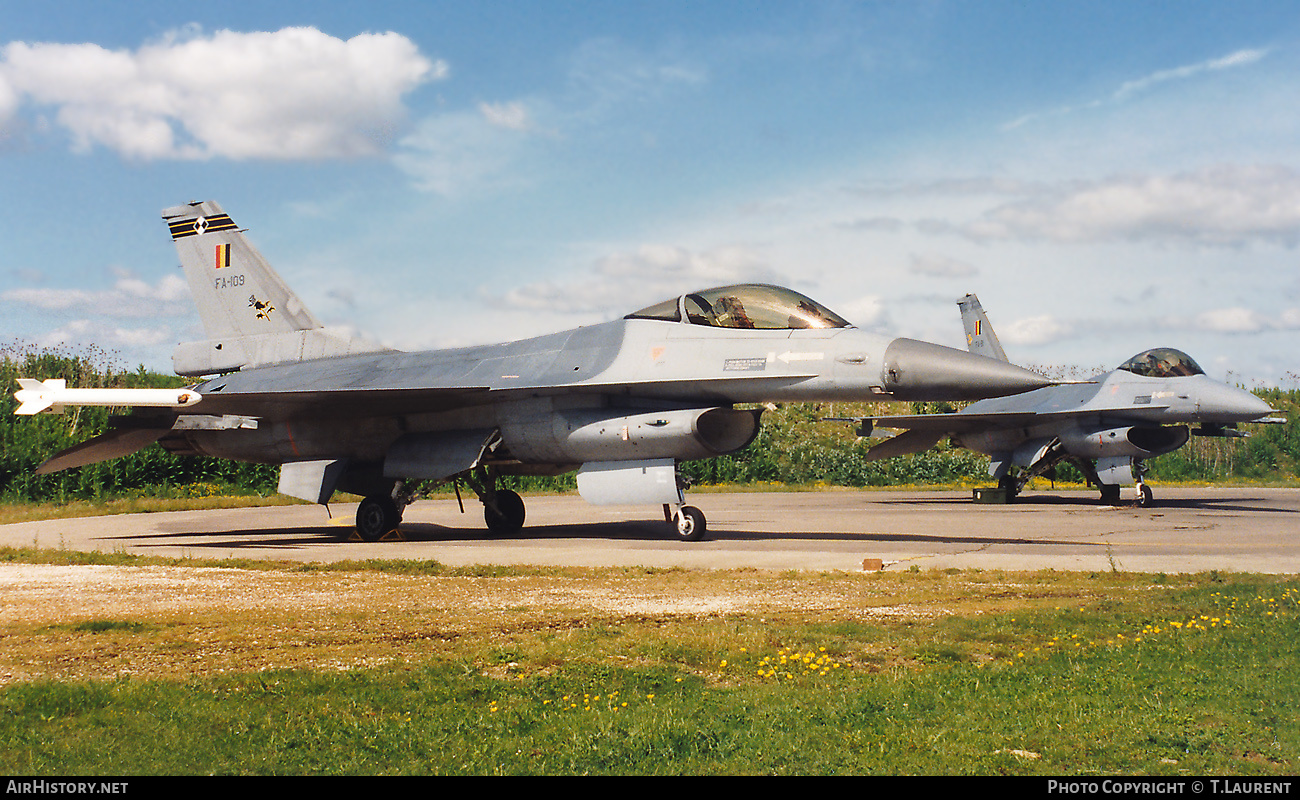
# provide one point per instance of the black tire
(1145, 497)
(508, 516)
(689, 524)
(1110, 494)
(377, 517)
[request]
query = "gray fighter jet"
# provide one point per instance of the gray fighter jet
(621, 402)
(1108, 426)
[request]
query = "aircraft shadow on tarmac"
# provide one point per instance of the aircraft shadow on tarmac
(640, 530)
(415, 532)
(1180, 503)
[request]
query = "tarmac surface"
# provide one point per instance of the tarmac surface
(1187, 530)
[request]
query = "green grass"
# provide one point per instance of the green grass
(1076, 674)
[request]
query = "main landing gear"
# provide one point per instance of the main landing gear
(1110, 492)
(1142, 495)
(379, 516)
(1013, 482)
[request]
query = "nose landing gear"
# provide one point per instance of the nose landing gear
(687, 521)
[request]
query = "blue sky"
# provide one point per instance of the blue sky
(1107, 176)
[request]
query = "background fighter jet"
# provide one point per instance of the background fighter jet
(1107, 426)
(621, 402)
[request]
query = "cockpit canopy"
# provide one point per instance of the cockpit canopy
(747, 305)
(1162, 362)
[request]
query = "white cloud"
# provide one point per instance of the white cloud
(1232, 320)
(934, 266)
(621, 283)
(512, 116)
(295, 93)
(1238, 319)
(8, 100)
(1238, 59)
(129, 297)
(608, 72)
(451, 153)
(1043, 329)
(1137, 86)
(107, 336)
(864, 312)
(1219, 206)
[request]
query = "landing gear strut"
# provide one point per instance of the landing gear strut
(1144, 496)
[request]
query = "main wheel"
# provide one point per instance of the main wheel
(689, 524)
(508, 515)
(377, 517)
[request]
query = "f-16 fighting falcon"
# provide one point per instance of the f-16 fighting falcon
(621, 402)
(1107, 426)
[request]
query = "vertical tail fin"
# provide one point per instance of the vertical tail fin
(236, 290)
(980, 338)
(249, 313)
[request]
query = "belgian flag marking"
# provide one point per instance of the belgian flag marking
(223, 256)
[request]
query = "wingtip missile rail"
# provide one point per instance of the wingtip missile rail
(53, 395)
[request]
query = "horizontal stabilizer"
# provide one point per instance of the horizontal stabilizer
(917, 441)
(114, 444)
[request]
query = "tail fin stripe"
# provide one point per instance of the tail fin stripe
(194, 227)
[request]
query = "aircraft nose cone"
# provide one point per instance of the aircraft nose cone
(1217, 402)
(916, 370)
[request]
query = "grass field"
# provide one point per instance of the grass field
(417, 668)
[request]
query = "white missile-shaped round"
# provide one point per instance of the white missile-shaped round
(37, 396)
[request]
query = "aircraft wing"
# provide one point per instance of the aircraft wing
(348, 403)
(957, 422)
(963, 421)
(365, 401)
(923, 431)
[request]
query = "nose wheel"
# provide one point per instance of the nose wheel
(688, 522)
(1144, 496)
